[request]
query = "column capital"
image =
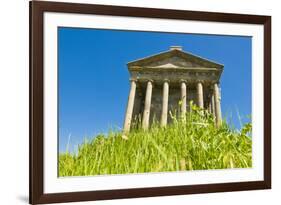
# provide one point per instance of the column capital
(166, 80)
(183, 81)
(216, 82)
(133, 80)
(208, 83)
(199, 81)
(148, 80)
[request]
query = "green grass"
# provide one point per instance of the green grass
(193, 143)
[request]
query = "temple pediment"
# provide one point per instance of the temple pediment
(174, 59)
(173, 62)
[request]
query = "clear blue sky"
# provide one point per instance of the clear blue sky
(94, 80)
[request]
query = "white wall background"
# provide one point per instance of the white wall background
(14, 101)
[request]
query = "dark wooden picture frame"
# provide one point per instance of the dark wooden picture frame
(37, 9)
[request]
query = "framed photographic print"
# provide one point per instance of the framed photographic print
(138, 102)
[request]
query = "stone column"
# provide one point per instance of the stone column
(210, 105)
(130, 106)
(217, 104)
(165, 98)
(147, 104)
(200, 98)
(213, 105)
(183, 97)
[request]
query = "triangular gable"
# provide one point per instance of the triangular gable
(174, 59)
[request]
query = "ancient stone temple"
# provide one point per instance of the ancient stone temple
(159, 82)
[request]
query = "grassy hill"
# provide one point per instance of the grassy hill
(192, 143)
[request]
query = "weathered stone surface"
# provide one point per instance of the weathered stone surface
(130, 106)
(147, 105)
(183, 98)
(217, 104)
(200, 98)
(165, 100)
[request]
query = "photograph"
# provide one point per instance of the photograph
(129, 102)
(136, 102)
